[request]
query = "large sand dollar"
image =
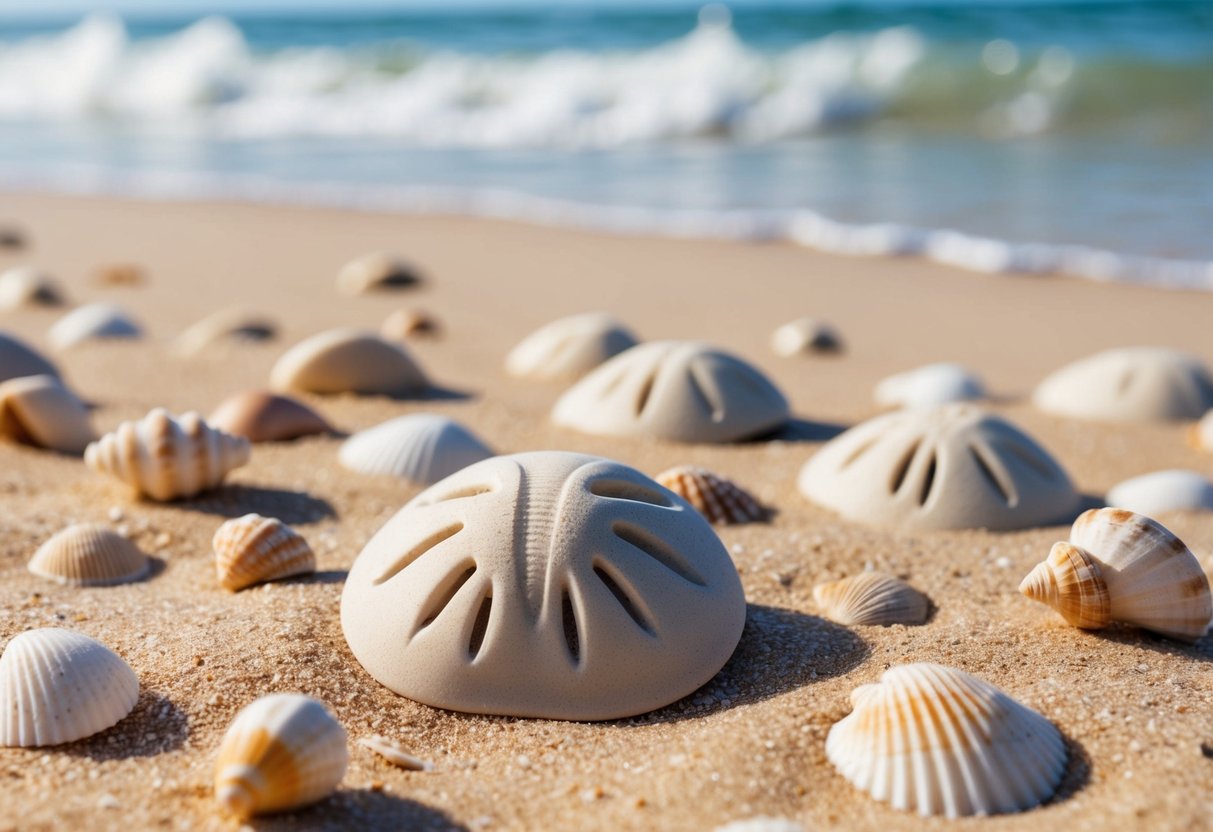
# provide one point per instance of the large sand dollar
(545, 584)
(952, 467)
(679, 390)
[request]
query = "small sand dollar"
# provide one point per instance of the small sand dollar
(1137, 384)
(548, 584)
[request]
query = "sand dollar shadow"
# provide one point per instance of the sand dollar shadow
(290, 507)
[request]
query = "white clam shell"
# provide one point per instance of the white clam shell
(805, 335)
(347, 361)
(1159, 491)
(937, 741)
(18, 360)
(283, 751)
(59, 686)
(23, 286)
(88, 554)
(547, 584)
(93, 321)
(421, 447)
(954, 467)
(569, 347)
(683, 391)
(929, 386)
(40, 411)
(1137, 384)
(871, 598)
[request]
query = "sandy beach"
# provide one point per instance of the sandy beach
(1136, 710)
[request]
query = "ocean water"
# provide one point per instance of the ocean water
(1026, 136)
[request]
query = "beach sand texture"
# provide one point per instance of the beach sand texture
(1136, 710)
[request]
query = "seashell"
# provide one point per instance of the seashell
(23, 286)
(347, 361)
(404, 324)
(88, 554)
(677, 390)
(391, 751)
(871, 598)
(261, 416)
(1154, 493)
(569, 348)
(1122, 566)
(12, 238)
(548, 584)
(937, 741)
(1136, 384)
(18, 360)
(376, 272)
(953, 467)
(59, 686)
(1200, 435)
(421, 447)
(165, 458)
(283, 751)
(717, 499)
(40, 411)
(94, 320)
(227, 326)
(119, 274)
(805, 335)
(253, 549)
(929, 386)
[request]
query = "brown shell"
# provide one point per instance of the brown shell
(253, 549)
(119, 274)
(717, 499)
(261, 416)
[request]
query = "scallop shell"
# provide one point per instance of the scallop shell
(282, 752)
(569, 348)
(18, 360)
(1121, 566)
(930, 386)
(937, 741)
(253, 549)
(1154, 493)
(59, 686)
(376, 272)
(404, 324)
(23, 286)
(40, 411)
(677, 390)
(391, 751)
(261, 416)
(805, 335)
(88, 554)
(954, 467)
(347, 361)
(93, 321)
(421, 447)
(1136, 384)
(548, 584)
(119, 274)
(717, 499)
(165, 458)
(871, 598)
(227, 326)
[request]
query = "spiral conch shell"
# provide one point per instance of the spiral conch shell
(1121, 566)
(717, 499)
(253, 549)
(88, 554)
(871, 598)
(165, 458)
(937, 741)
(283, 751)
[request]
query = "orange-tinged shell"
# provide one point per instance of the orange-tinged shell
(284, 751)
(166, 458)
(261, 416)
(410, 323)
(871, 598)
(717, 499)
(88, 554)
(40, 411)
(253, 549)
(1069, 581)
(119, 274)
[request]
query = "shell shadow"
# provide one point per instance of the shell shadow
(325, 576)
(290, 507)
(780, 650)
(804, 430)
(154, 726)
(437, 393)
(361, 809)
(1077, 774)
(1201, 650)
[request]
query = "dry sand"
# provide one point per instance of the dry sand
(1136, 709)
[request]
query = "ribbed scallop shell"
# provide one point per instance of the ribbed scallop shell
(59, 686)
(89, 554)
(421, 447)
(165, 458)
(1134, 384)
(347, 361)
(227, 326)
(937, 741)
(871, 598)
(410, 323)
(569, 347)
(253, 549)
(376, 272)
(40, 411)
(283, 751)
(1159, 491)
(93, 321)
(716, 498)
(18, 360)
(261, 416)
(805, 335)
(1147, 574)
(23, 286)
(929, 386)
